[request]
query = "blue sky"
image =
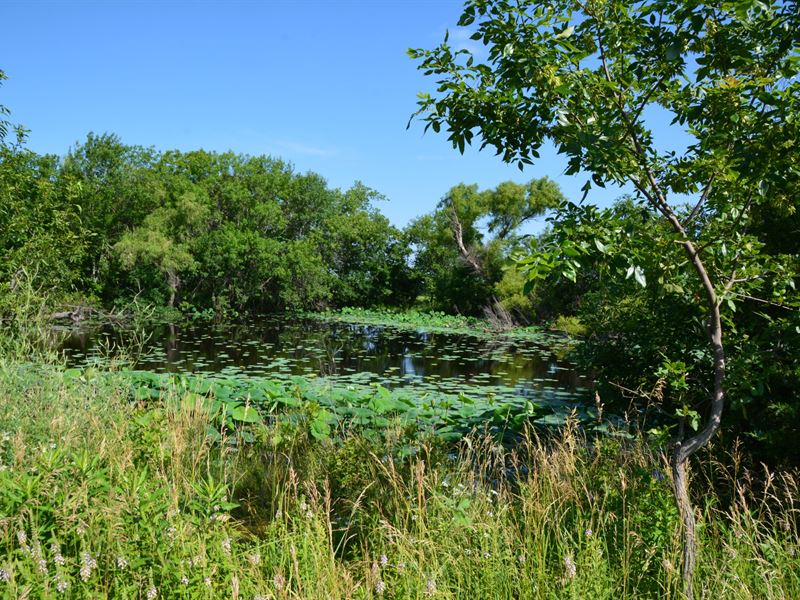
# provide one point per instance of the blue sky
(326, 86)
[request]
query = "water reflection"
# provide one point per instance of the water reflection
(310, 347)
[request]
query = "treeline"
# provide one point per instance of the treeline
(111, 222)
(200, 230)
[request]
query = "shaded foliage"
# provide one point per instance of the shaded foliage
(205, 229)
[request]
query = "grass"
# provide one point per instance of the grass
(434, 321)
(102, 497)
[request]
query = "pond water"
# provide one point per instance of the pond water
(280, 347)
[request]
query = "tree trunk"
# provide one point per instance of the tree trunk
(174, 282)
(684, 449)
(458, 234)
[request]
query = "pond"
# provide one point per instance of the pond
(281, 347)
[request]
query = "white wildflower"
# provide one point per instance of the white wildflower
(185, 580)
(89, 564)
(380, 587)
(226, 545)
(254, 559)
(570, 567)
(430, 588)
(152, 592)
(384, 560)
(61, 585)
(122, 563)
(279, 581)
(4, 575)
(22, 538)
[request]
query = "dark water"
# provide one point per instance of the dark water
(282, 347)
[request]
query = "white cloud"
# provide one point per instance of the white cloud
(309, 150)
(460, 40)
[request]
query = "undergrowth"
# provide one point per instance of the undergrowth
(102, 497)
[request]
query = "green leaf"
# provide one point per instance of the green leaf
(566, 33)
(245, 414)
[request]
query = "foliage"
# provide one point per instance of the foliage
(592, 78)
(434, 321)
(211, 231)
(105, 497)
(459, 267)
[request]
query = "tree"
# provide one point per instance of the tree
(591, 77)
(3, 112)
(463, 246)
(163, 239)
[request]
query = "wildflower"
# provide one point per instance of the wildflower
(279, 582)
(22, 538)
(4, 575)
(569, 565)
(658, 475)
(215, 508)
(401, 566)
(487, 555)
(171, 532)
(61, 585)
(152, 592)
(226, 545)
(384, 560)
(122, 563)
(41, 562)
(259, 597)
(89, 564)
(430, 588)
(255, 559)
(207, 581)
(588, 533)
(185, 580)
(58, 558)
(380, 587)
(521, 558)
(80, 529)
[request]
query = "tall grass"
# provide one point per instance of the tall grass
(103, 497)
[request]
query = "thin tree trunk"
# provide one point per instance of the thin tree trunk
(684, 449)
(458, 234)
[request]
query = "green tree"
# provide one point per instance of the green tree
(163, 241)
(591, 77)
(462, 248)
(4, 124)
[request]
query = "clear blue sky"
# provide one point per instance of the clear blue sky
(325, 85)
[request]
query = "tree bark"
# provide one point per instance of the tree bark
(684, 449)
(458, 234)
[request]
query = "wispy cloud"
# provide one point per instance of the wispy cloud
(308, 149)
(433, 157)
(460, 40)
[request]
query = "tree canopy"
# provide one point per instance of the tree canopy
(592, 77)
